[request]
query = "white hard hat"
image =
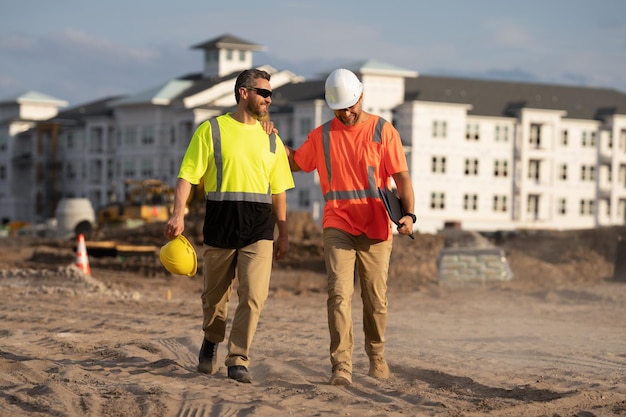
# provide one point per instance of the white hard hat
(343, 89)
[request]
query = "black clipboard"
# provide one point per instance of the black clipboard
(393, 206)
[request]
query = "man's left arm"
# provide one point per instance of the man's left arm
(279, 206)
(407, 199)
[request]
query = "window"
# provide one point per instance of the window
(304, 198)
(172, 130)
(39, 171)
(242, 56)
(499, 203)
(305, 126)
(586, 207)
(535, 135)
(533, 205)
(173, 167)
(211, 56)
(229, 54)
(534, 169)
(563, 172)
(472, 132)
(70, 171)
(588, 139)
(470, 202)
(128, 169)
(440, 129)
(564, 137)
(129, 136)
(587, 173)
(438, 164)
(471, 166)
(562, 206)
(501, 168)
(110, 168)
(147, 135)
(146, 168)
(186, 132)
(502, 133)
(437, 201)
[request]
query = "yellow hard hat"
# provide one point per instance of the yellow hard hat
(179, 257)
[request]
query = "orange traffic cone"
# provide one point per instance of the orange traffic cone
(82, 260)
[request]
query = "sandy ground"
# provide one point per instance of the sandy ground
(124, 342)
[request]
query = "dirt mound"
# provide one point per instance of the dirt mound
(537, 258)
(556, 258)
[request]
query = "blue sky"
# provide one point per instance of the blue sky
(82, 50)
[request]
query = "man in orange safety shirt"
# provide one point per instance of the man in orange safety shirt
(354, 154)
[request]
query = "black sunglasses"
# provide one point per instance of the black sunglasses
(261, 91)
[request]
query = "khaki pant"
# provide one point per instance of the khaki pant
(341, 252)
(252, 265)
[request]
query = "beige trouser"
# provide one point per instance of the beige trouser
(252, 265)
(341, 251)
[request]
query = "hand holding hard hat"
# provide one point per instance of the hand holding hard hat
(178, 256)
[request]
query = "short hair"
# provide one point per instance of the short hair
(247, 78)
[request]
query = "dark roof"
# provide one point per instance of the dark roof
(304, 91)
(501, 98)
(229, 41)
(91, 109)
(76, 115)
(201, 84)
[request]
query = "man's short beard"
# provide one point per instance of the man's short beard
(256, 111)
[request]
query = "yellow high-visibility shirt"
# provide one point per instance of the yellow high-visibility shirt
(242, 167)
(248, 166)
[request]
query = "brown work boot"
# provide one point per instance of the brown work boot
(207, 359)
(239, 373)
(341, 376)
(379, 368)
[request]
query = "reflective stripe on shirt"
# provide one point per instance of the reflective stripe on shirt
(219, 195)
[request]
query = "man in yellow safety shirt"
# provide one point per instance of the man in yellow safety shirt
(246, 174)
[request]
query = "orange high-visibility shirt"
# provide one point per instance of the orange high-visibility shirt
(360, 159)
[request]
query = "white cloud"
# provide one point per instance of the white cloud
(16, 42)
(508, 33)
(8, 82)
(98, 48)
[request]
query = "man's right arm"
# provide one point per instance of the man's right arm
(176, 224)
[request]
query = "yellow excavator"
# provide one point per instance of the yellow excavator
(146, 201)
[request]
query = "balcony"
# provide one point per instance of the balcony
(23, 159)
(605, 157)
(604, 191)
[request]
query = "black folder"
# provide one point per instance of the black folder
(393, 206)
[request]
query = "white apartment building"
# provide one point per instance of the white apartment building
(490, 155)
